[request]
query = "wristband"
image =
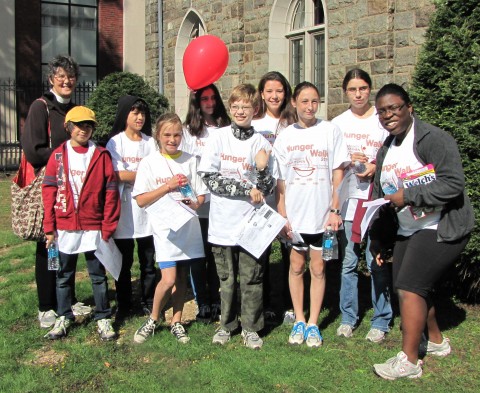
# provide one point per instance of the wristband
(336, 211)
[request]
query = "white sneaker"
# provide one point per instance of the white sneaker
(289, 317)
(59, 329)
(442, 349)
(47, 318)
(297, 335)
(345, 330)
(105, 329)
(375, 335)
(251, 340)
(80, 309)
(221, 336)
(398, 367)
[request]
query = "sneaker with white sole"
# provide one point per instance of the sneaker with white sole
(105, 329)
(179, 332)
(398, 367)
(81, 309)
(145, 331)
(345, 330)
(313, 337)
(59, 329)
(442, 349)
(204, 314)
(297, 335)
(47, 318)
(289, 317)
(251, 340)
(221, 336)
(375, 335)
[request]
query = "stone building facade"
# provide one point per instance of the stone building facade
(383, 37)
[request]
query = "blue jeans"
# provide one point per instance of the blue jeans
(66, 283)
(380, 283)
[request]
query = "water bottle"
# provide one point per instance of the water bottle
(187, 192)
(389, 188)
(330, 245)
(359, 167)
(53, 258)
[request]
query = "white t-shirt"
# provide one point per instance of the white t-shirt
(155, 170)
(235, 159)
(305, 159)
(267, 126)
(401, 159)
(195, 145)
(361, 135)
(126, 155)
(75, 242)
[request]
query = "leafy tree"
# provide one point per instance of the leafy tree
(446, 92)
(103, 100)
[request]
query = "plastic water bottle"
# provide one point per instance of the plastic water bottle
(53, 258)
(187, 192)
(389, 188)
(359, 167)
(330, 245)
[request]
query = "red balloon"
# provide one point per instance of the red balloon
(204, 61)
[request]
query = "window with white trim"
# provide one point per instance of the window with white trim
(307, 44)
(70, 27)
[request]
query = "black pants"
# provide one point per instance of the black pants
(45, 280)
(148, 272)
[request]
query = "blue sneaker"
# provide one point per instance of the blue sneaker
(297, 334)
(313, 337)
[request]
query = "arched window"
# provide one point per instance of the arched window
(307, 44)
(191, 27)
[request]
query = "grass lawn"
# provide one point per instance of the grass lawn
(82, 363)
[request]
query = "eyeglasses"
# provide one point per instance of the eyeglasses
(361, 89)
(63, 78)
(245, 108)
(393, 109)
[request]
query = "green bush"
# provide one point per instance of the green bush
(446, 93)
(103, 100)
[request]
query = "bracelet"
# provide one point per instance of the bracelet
(336, 211)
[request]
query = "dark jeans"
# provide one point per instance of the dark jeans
(203, 273)
(148, 272)
(66, 284)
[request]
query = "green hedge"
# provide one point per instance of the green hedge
(103, 100)
(446, 93)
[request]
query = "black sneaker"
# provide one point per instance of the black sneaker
(179, 332)
(204, 315)
(215, 311)
(145, 331)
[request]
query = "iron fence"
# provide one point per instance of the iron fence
(15, 99)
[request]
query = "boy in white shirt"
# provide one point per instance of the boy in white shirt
(235, 168)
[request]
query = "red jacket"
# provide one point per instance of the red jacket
(98, 204)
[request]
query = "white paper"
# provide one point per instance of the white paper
(110, 256)
(259, 228)
(372, 207)
(167, 212)
(296, 238)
